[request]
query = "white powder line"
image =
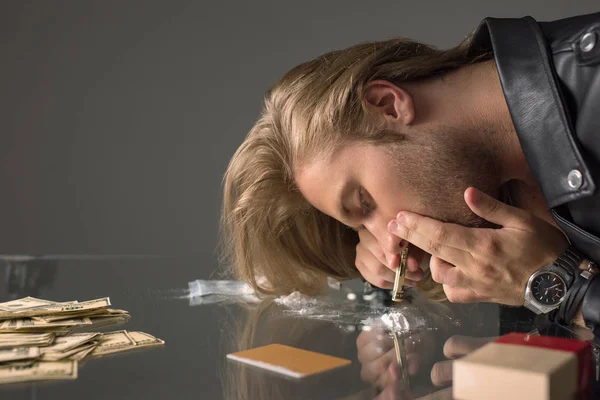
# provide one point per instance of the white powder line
(298, 302)
(264, 365)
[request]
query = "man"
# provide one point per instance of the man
(407, 144)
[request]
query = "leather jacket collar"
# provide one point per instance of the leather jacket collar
(536, 106)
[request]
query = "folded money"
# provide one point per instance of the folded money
(61, 355)
(33, 324)
(8, 340)
(99, 313)
(39, 371)
(23, 304)
(19, 353)
(31, 307)
(70, 342)
(119, 341)
(38, 339)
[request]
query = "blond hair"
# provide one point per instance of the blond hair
(269, 230)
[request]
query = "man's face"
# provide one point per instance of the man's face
(365, 185)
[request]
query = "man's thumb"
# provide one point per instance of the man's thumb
(492, 210)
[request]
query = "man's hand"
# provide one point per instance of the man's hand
(378, 266)
(377, 355)
(380, 368)
(481, 264)
(455, 347)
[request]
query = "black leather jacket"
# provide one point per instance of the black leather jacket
(550, 75)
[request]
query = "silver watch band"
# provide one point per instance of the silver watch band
(532, 306)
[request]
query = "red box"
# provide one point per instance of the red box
(520, 366)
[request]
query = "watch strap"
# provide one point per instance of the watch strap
(570, 304)
(570, 260)
(532, 306)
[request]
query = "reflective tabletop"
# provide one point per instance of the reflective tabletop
(397, 350)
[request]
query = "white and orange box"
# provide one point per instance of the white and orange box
(520, 366)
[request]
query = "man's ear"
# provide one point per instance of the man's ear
(388, 102)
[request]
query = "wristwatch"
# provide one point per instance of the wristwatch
(548, 286)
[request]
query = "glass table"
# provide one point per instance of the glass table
(396, 350)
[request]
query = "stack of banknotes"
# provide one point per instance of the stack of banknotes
(48, 340)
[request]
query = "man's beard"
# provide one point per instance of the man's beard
(439, 166)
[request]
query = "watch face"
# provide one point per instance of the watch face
(548, 288)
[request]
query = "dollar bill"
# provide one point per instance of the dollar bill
(39, 371)
(29, 323)
(115, 311)
(57, 356)
(23, 304)
(102, 323)
(19, 353)
(102, 312)
(57, 331)
(66, 343)
(82, 354)
(113, 342)
(108, 320)
(25, 363)
(145, 340)
(57, 308)
(120, 341)
(25, 339)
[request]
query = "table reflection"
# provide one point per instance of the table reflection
(428, 334)
(254, 325)
(28, 275)
(200, 332)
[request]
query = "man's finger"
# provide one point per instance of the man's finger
(447, 274)
(371, 372)
(376, 280)
(366, 260)
(415, 257)
(365, 338)
(392, 261)
(493, 210)
(413, 270)
(462, 295)
(433, 245)
(373, 278)
(410, 282)
(414, 275)
(444, 233)
(458, 345)
(395, 388)
(369, 242)
(441, 373)
(373, 346)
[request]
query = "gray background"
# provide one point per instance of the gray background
(118, 118)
